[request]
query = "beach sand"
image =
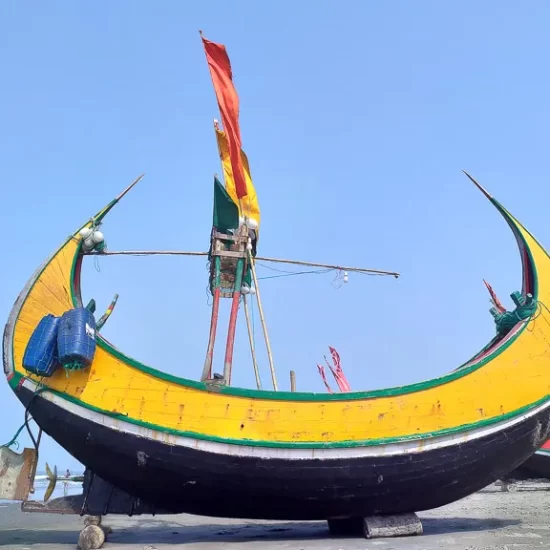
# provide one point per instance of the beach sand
(489, 520)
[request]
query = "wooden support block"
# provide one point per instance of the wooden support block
(401, 525)
(91, 537)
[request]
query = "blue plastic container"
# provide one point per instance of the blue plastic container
(76, 338)
(41, 353)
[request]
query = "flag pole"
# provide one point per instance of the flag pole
(333, 373)
(324, 378)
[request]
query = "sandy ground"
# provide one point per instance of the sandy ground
(489, 520)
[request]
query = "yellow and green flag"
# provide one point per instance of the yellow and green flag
(248, 205)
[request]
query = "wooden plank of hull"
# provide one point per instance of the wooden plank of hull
(183, 479)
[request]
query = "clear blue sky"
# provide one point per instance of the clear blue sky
(357, 118)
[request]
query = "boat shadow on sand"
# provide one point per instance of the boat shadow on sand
(157, 532)
(153, 531)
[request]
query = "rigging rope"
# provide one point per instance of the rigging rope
(290, 274)
(13, 440)
(361, 270)
(39, 389)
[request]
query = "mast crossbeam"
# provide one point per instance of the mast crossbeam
(364, 270)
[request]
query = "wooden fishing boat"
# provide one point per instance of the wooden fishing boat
(188, 446)
(536, 466)
(154, 442)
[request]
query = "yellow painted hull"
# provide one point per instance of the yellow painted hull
(516, 377)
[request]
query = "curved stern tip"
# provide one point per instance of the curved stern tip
(479, 186)
(129, 188)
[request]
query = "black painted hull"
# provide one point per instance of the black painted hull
(178, 479)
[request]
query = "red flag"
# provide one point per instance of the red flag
(337, 372)
(494, 298)
(324, 377)
(228, 102)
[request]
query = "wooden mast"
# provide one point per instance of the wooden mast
(240, 245)
(228, 260)
(207, 369)
(230, 254)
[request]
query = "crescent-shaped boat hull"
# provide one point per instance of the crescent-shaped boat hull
(179, 478)
(185, 446)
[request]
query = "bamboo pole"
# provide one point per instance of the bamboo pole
(292, 381)
(251, 339)
(329, 266)
(207, 369)
(146, 253)
(262, 319)
(258, 258)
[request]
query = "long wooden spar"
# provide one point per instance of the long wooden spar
(366, 271)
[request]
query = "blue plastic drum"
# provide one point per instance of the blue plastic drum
(76, 338)
(41, 353)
